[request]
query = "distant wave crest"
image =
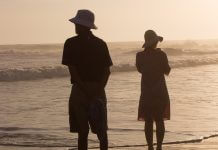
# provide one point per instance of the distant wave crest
(32, 73)
(176, 51)
(179, 52)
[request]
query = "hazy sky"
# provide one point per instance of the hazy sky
(46, 21)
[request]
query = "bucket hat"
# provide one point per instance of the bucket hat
(151, 38)
(84, 17)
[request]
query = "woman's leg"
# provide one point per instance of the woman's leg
(149, 133)
(160, 131)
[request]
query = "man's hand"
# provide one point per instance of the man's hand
(93, 89)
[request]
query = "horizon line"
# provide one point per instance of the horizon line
(51, 43)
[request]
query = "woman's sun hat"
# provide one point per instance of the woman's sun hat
(85, 18)
(151, 38)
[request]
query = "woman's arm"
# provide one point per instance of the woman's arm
(166, 65)
(138, 66)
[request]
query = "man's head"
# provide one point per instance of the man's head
(80, 29)
(84, 21)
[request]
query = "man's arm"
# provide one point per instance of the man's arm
(77, 80)
(75, 76)
(90, 91)
(96, 89)
(105, 77)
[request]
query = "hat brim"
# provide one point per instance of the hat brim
(83, 23)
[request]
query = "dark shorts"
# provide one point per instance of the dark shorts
(79, 112)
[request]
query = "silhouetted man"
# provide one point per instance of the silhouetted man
(88, 60)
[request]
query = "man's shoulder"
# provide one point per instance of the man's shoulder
(71, 39)
(99, 40)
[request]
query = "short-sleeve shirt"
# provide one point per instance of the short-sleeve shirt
(89, 54)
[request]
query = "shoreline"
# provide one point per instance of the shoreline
(208, 143)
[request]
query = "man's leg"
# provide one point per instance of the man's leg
(149, 133)
(103, 139)
(79, 110)
(83, 141)
(82, 127)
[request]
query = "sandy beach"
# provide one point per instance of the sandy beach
(210, 144)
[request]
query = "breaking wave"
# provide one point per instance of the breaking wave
(14, 74)
(33, 73)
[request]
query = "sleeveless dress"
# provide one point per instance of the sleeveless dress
(154, 100)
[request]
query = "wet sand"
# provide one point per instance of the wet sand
(209, 144)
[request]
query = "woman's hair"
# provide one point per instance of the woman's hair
(151, 39)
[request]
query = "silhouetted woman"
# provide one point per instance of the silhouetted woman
(154, 104)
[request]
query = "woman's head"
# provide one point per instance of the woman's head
(151, 39)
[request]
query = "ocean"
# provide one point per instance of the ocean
(35, 88)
